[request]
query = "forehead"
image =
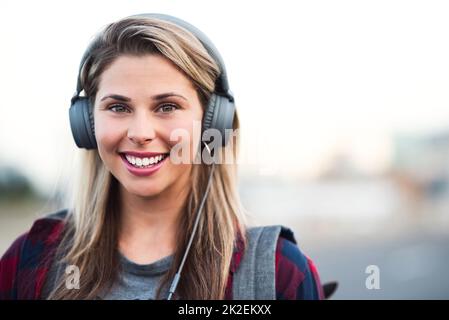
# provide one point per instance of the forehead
(148, 73)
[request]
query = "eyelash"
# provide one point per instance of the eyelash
(165, 104)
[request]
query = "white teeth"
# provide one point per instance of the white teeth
(131, 159)
(141, 162)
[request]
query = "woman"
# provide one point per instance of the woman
(143, 224)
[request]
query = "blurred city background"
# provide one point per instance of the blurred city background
(344, 109)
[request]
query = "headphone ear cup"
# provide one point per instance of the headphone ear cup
(209, 113)
(219, 115)
(82, 123)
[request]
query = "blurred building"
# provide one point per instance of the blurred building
(420, 166)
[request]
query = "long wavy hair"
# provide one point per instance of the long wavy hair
(90, 237)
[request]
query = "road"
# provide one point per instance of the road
(412, 265)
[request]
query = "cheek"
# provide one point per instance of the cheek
(107, 133)
(185, 131)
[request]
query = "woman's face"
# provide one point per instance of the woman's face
(135, 119)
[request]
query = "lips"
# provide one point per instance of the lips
(145, 171)
(144, 162)
(143, 154)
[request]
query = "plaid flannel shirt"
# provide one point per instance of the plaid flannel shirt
(25, 265)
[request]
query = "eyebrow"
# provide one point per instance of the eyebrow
(155, 97)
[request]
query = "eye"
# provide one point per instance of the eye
(118, 107)
(168, 108)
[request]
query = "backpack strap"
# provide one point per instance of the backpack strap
(255, 277)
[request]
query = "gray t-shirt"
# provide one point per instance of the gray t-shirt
(136, 281)
(139, 281)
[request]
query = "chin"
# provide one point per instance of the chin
(143, 191)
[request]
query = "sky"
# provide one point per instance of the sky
(311, 79)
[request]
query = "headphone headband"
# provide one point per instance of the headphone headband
(221, 84)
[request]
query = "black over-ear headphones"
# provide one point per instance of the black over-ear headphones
(219, 113)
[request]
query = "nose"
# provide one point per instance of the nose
(141, 130)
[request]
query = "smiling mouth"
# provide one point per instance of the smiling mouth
(142, 163)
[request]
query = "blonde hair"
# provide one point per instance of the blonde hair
(91, 234)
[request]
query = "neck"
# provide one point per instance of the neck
(148, 225)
